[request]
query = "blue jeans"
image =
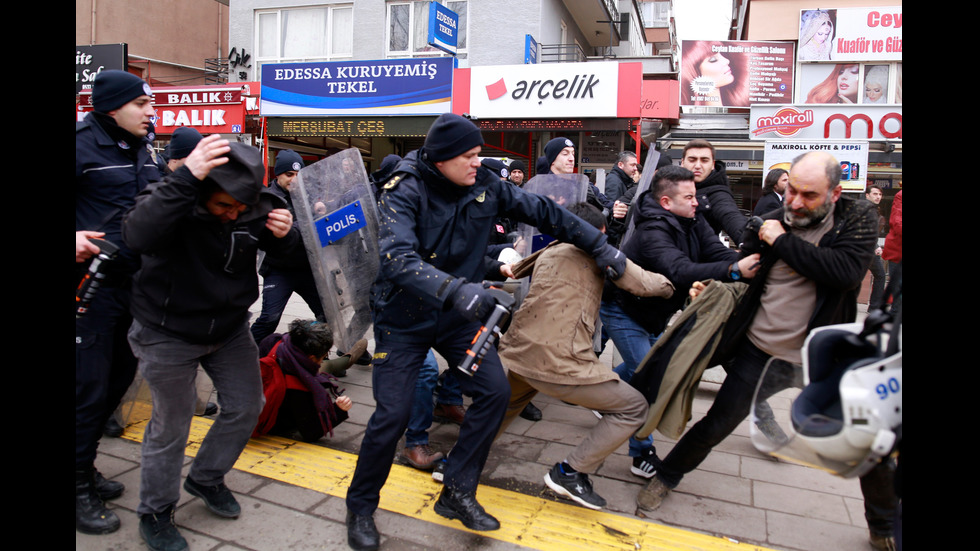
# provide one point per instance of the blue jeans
(633, 342)
(448, 393)
(169, 366)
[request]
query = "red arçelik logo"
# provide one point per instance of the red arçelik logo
(496, 89)
(786, 122)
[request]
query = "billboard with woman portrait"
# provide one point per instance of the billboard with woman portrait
(736, 73)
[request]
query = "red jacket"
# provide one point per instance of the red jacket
(893, 242)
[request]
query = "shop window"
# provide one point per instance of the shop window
(304, 34)
(408, 29)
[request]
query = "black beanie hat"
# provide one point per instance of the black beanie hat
(183, 142)
(554, 147)
(113, 89)
(517, 165)
(451, 135)
(542, 166)
(496, 166)
(241, 177)
(287, 160)
(386, 169)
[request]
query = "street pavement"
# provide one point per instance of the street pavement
(737, 499)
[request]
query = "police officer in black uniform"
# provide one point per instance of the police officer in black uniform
(435, 219)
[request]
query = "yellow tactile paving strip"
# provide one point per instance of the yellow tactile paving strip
(525, 520)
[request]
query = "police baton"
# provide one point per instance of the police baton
(488, 333)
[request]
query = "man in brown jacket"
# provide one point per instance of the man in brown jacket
(549, 349)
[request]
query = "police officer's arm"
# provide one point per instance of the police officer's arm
(842, 265)
(552, 219)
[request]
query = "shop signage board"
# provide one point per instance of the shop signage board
(852, 156)
(357, 88)
(554, 90)
(443, 28)
(736, 73)
(369, 127)
(851, 34)
(209, 109)
(829, 122)
(93, 59)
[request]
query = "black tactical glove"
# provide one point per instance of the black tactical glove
(474, 301)
(611, 260)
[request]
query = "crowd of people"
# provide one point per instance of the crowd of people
(177, 294)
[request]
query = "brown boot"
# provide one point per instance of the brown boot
(444, 413)
(421, 457)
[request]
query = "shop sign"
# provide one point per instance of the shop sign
(859, 122)
(209, 109)
(659, 100)
(92, 60)
(352, 88)
(443, 28)
(852, 156)
(368, 127)
(851, 34)
(597, 89)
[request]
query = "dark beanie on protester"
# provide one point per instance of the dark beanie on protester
(184, 141)
(450, 136)
(287, 160)
(554, 147)
(517, 165)
(113, 89)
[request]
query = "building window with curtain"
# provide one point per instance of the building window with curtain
(319, 33)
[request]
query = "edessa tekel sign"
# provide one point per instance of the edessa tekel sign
(349, 88)
(561, 90)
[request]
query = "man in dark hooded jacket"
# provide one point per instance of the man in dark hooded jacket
(199, 231)
(715, 200)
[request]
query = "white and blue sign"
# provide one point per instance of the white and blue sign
(443, 28)
(350, 88)
(340, 223)
(530, 50)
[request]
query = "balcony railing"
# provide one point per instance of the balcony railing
(561, 53)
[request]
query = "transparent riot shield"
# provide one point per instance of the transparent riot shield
(338, 219)
(646, 179)
(838, 412)
(564, 189)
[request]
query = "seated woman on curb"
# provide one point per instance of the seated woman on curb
(300, 396)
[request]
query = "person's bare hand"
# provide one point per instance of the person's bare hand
(207, 155)
(507, 270)
(620, 209)
(770, 230)
(344, 403)
(749, 265)
(280, 222)
(85, 249)
(696, 289)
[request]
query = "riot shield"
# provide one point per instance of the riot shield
(564, 189)
(338, 219)
(646, 179)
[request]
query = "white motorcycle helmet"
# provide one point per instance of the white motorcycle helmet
(846, 400)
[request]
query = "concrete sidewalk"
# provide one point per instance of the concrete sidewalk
(737, 493)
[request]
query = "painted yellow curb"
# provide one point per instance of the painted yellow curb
(525, 520)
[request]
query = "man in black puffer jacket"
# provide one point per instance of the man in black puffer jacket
(715, 200)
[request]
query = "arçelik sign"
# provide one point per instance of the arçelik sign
(598, 89)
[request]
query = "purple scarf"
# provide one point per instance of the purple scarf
(294, 362)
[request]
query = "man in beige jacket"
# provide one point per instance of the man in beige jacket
(549, 349)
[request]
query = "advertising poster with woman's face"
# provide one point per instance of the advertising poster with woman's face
(736, 73)
(817, 34)
(843, 83)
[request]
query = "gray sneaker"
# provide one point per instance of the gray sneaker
(650, 497)
(575, 486)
